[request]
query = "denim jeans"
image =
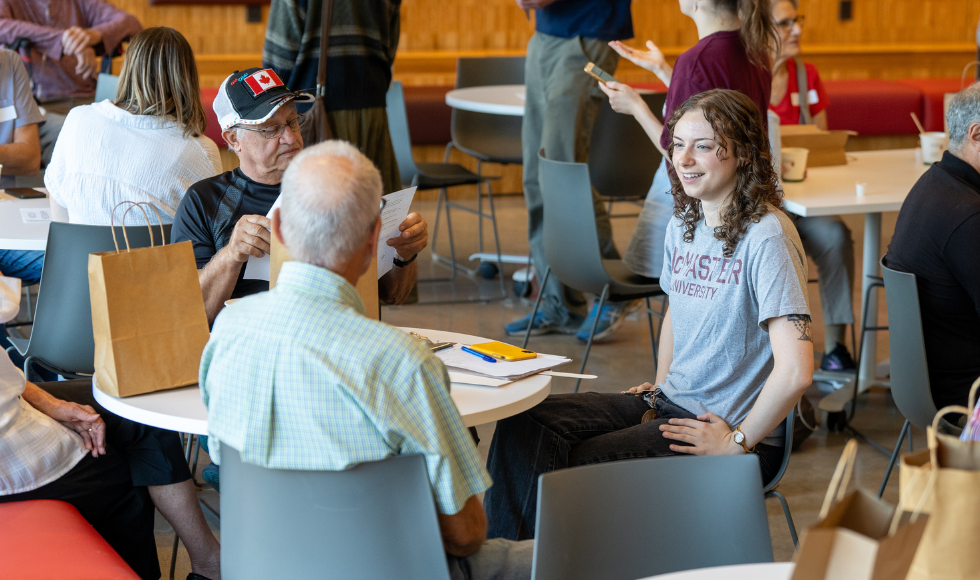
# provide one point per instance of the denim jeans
(23, 264)
(571, 430)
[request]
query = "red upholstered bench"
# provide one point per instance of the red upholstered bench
(872, 107)
(50, 540)
(933, 91)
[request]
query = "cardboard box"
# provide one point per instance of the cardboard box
(826, 147)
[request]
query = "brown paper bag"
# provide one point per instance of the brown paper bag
(148, 317)
(367, 285)
(858, 536)
(948, 550)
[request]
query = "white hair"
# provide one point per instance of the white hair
(964, 110)
(330, 198)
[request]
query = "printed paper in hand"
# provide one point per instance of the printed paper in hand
(35, 214)
(395, 212)
(258, 268)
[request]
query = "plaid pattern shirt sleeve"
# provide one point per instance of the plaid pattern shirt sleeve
(298, 378)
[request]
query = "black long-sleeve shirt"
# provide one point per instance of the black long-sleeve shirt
(937, 238)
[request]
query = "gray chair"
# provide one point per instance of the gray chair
(632, 519)
(571, 247)
(429, 175)
(61, 339)
(374, 521)
(105, 87)
(488, 138)
(622, 158)
(770, 489)
(907, 349)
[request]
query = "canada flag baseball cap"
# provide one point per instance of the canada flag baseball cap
(251, 96)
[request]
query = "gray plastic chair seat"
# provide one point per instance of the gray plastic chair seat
(632, 519)
(375, 521)
(494, 147)
(624, 284)
(439, 175)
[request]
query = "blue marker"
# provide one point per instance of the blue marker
(481, 355)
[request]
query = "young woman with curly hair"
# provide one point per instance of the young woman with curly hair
(735, 352)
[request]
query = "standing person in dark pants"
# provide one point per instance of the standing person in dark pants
(561, 104)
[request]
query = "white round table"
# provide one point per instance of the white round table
(15, 234)
(493, 99)
(182, 409)
(769, 571)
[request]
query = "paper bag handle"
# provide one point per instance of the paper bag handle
(973, 396)
(842, 476)
(132, 204)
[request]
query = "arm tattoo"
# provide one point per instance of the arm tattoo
(802, 323)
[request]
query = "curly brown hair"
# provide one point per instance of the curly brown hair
(739, 131)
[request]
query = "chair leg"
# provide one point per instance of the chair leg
(496, 241)
(595, 324)
(173, 556)
(891, 462)
(479, 207)
(653, 340)
(537, 302)
(789, 516)
(910, 439)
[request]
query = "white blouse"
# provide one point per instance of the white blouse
(106, 155)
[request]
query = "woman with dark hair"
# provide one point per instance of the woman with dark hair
(736, 39)
(735, 352)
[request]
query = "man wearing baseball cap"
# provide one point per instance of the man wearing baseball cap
(225, 216)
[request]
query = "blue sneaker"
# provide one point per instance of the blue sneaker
(612, 315)
(212, 476)
(542, 325)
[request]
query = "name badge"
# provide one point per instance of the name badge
(8, 114)
(794, 98)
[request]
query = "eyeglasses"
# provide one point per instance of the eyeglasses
(788, 23)
(275, 131)
(383, 203)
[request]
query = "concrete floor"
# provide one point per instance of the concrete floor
(624, 361)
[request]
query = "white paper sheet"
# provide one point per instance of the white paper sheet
(35, 214)
(395, 212)
(258, 268)
(456, 358)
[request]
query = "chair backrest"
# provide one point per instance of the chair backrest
(374, 521)
(632, 519)
(105, 87)
(481, 134)
(62, 332)
(787, 451)
(622, 158)
(909, 368)
(571, 239)
(401, 138)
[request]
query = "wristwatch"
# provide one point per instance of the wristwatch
(740, 439)
(403, 263)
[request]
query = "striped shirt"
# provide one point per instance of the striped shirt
(34, 448)
(298, 378)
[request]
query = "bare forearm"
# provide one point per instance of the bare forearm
(20, 159)
(651, 126)
(38, 397)
(782, 391)
(395, 286)
(218, 281)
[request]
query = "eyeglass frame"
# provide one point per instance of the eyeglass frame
(788, 23)
(276, 130)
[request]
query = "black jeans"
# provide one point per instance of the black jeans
(571, 430)
(110, 490)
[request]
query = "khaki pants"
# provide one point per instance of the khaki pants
(368, 130)
(560, 108)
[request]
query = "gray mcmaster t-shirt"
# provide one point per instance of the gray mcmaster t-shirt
(719, 307)
(17, 106)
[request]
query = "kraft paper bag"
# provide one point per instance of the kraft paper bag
(148, 317)
(367, 285)
(948, 550)
(858, 537)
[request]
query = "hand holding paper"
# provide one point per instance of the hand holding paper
(392, 216)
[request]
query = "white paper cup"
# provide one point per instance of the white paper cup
(861, 187)
(933, 145)
(794, 163)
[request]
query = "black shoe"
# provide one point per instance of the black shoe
(837, 360)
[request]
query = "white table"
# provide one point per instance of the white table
(182, 409)
(14, 233)
(493, 99)
(832, 191)
(770, 571)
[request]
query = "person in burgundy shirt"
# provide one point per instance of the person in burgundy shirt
(735, 41)
(826, 239)
(67, 38)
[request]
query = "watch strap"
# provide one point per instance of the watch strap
(403, 263)
(742, 442)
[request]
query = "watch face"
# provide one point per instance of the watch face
(739, 437)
